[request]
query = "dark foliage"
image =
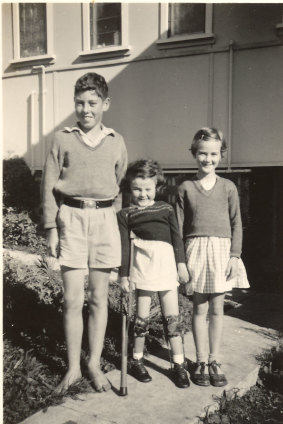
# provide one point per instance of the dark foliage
(20, 190)
(262, 403)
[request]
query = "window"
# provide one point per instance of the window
(32, 33)
(105, 27)
(185, 23)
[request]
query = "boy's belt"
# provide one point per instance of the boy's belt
(82, 204)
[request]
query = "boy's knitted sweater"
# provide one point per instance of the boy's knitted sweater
(212, 213)
(156, 222)
(75, 169)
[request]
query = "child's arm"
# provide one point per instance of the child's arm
(50, 207)
(235, 221)
(178, 247)
(121, 164)
(180, 209)
(120, 170)
(232, 268)
(53, 241)
(125, 242)
(50, 178)
(236, 233)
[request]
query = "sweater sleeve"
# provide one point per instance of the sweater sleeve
(51, 175)
(180, 209)
(235, 222)
(177, 242)
(125, 241)
(121, 165)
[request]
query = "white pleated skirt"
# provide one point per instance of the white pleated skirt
(207, 259)
(154, 266)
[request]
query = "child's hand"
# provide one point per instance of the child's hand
(125, 284)
(232, 268)
(183, 273)
(53, 241)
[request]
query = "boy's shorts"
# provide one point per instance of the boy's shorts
(89, 238)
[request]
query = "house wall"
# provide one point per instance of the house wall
(159, 97)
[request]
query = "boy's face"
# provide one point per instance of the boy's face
(89, 109)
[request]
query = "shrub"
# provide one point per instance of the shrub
(20, 190)
(20, 230)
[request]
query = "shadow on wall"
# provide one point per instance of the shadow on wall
(154, 108)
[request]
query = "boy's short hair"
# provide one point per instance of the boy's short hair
(143, 168)
(92, 81)
(206, 134)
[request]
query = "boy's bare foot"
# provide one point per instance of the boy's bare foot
(98, 379)
(69, 379)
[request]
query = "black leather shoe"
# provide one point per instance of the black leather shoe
(180, 376)
(139, 371)
(200, 378)
(217, 378)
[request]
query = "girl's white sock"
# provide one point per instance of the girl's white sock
(137, 355)
(178, 359)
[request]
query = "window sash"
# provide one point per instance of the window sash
(164, 23)
(105, 30)
(17, 32)
(89, 44)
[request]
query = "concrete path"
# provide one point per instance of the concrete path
(160, 402)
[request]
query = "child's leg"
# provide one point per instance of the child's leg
(215, 328)
(97, 321)
(170, 309)
(199, 325)
(140, 329)
(73, 281)
(216, 312)
(143, 309)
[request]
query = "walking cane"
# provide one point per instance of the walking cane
(126, 318)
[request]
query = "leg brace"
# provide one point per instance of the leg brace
(174, 326)
(141, 327)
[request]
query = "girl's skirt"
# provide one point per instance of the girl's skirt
(207, 260)
(154, 266)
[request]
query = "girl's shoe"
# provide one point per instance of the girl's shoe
(201, 378)
(217, 379)
(180, 376)
(139, 371)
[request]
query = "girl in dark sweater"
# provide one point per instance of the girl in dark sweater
(209, 218)
(157, 249)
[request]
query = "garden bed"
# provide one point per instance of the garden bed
(34, 345)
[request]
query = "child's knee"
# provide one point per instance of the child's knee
(73, 303)
(200, 308)
(174, 326)
(96, 301)
(141, 327)
(216, 310)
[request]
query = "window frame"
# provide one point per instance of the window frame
(45, 58)
(108, 51)
(165, 42)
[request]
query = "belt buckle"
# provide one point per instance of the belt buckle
(89, 204)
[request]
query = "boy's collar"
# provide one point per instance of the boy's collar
(105, 130)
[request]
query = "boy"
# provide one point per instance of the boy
(81, 180)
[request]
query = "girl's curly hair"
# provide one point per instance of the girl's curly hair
(143, 168)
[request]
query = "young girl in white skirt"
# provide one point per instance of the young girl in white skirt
(209, 218)
(158, 247)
